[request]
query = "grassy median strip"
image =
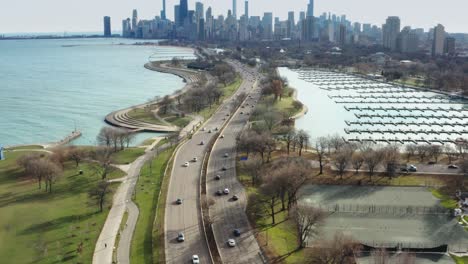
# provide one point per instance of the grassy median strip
(58, 227)
(146, 197)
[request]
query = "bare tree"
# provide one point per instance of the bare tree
(104, 138)
(410, 151)
(372, 159)
(450, 152)
(51, 173)
(434, 152)
(320, 148)
(253, 167)
(422, 151)
(76, 154)
(270, 190)
(391, 159)
(302, 139)
(342, 158)
(289, 138)
(380, 256)
(336, 142)
(307, 219)
(99, 192)
(340, 250)
(357, 161)
(102, 164)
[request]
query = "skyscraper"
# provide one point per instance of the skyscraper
(246, 10)
(407, 41)
(183, 11)
(134, 20)
(449, 47)
(163, 11)
(439, 40)
(291, 24)
(177, 19)
(234, 8)
(199, 11)
(391, 29)
(310, 8)
(267, 24)
(107, 27)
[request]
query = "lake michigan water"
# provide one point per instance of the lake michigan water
(48, 86)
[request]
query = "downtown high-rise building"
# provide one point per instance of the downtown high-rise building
(183, 12)
(438, 41)
(199, 10)
(134, 20)
(391, 30)
(107, 27)
(408, 41)
(267, 24)
(310, 8)
(246, 10)
(449, 47)
(163, 11)
(234, 8)
(291, 26)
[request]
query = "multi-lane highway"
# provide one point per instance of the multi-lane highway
(185, 185)
(228, 214)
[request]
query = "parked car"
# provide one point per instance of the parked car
(431, 163)
(195, 259)
(180, 237)
(231, 242)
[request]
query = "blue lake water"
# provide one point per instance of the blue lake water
(48, 86)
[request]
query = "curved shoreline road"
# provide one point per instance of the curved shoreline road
(226, 213)
(185, 184)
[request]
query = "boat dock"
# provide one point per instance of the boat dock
(404, 108)
(402, 141)
(402, 131)
(405, 123)
(450, 117)
(438, 97)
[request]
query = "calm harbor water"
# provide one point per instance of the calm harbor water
(49, 86)
(360, 109)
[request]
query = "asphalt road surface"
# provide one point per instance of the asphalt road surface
(185, 185)
(228, 214)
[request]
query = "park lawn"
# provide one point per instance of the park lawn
(460, 260)
(228, 91)
(147, 195)
(179, 121)
(147, 142)
(38, 227)
(144, 116)
(127, 155)
(445, 200)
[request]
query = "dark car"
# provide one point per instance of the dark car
(219, 192)
(224, 168)
(235, 198)
(179, 201)
(453, 166)
(236, 232)
(218, 177)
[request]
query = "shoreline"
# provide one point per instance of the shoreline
(119, 118)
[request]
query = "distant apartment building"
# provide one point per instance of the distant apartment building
(107, 27)
(408, 41)
(390, 32)
(449, 47)
(438, 41)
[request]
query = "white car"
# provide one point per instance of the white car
(195, 259)
(226, 191)
(231, 242)
(186, 164)
(226, 155)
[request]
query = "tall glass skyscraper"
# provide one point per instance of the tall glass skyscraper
(310, 8)
(183, 11)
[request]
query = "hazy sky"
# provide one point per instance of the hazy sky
(87, 15)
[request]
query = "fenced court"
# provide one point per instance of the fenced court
(404, 217)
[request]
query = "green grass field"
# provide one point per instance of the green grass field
(127, 155)
(179, 121)
(147, 194)
(38, 227)
(142, 115)
(445, 200)
(460, 260)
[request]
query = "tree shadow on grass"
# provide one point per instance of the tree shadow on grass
(280, 259)
(56, 223)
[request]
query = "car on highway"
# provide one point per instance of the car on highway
(179, 201)
(242, 112)
(226, 191)
(226, 155)
(222, 136)
(202, 143)
(180, 237)
(186, 164)
(227, 114)
(195, 159)
(219, 192)
(203, 129)
(216, 129)
(452, 166)
(235, 197)
(218, 177)
(224, 168)
(209, 131)
(236, 232)
(412, 168)
(195, 259)
(231, 242)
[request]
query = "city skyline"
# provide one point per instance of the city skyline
(79, 17)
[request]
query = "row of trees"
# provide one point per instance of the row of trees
(115, 138)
